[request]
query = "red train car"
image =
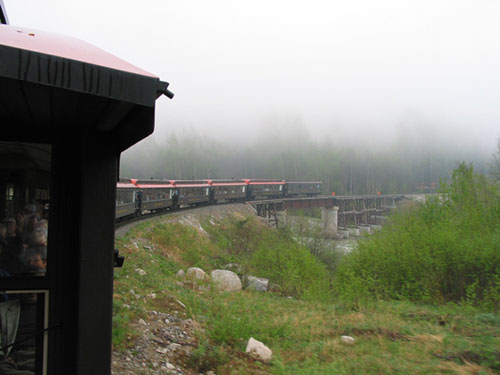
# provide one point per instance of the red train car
(303, 188)
(227, 190)
(264, 189)
(155, 195)
(126, 199)
(194, 192)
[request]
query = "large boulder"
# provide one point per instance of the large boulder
(258, 283)
(226, 281)
(196, 273)
(258, 350)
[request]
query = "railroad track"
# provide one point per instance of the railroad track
(135, 220)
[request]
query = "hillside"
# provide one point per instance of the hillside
(165, 324)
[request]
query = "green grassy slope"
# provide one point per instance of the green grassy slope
(302, 322)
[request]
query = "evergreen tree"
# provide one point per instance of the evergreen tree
(495, 163)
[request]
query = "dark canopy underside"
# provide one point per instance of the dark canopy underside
(37, 113)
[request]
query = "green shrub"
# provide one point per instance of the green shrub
(264, 252)
(291, 266)
(447, 249)
(207, 356)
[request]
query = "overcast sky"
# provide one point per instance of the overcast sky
(370, 69)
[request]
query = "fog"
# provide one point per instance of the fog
(371, 75)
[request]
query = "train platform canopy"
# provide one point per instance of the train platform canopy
(51, 81)
(67, 111)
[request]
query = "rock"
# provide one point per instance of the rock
(258, 283)
(347, 340)
(174, 346)
(210, 373)
(162, 350)
(226, 281)
(169, 366)
(258, 350)
(152, 295)
(140, 271)
(196, 273)
(180, 274)
(143, 322)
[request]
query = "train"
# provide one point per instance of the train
(135, 197)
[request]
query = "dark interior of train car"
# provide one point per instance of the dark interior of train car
(24, 207)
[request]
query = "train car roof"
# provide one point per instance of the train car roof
(154, 186)
(261, 182)
(192, 185)
(228, 180)
(124, 185)
(65, 47)
(228, 184)
(153, 182)
(304, 182)
(189, 182)
(44, 71)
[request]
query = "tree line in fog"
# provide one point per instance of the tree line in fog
(405, 167)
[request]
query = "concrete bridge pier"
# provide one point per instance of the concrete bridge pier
(329, 219)
(353, 231)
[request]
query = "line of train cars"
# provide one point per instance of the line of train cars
(139, 197)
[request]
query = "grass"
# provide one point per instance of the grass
(303, 328)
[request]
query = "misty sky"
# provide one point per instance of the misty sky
(368, 69)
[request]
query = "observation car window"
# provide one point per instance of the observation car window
(25, 173)
(125, 196)
(24, 208)
(24, 342)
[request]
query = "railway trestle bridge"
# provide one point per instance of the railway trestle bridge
(339, 214)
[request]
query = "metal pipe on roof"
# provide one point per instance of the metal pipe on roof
(163, 89)
(4, 20)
